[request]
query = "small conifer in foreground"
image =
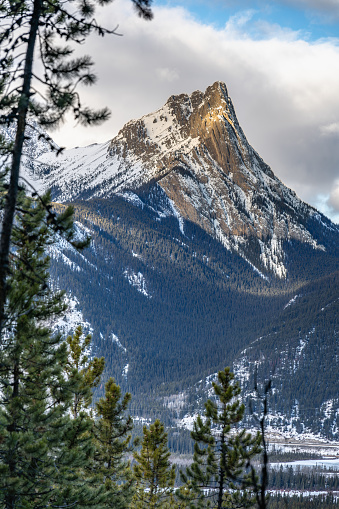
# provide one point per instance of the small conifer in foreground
(155, 477)
(217, 478)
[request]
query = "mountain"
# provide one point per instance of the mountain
(198, 250)
(194, 153)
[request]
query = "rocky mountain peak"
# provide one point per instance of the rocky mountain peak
(195, 150)
(215, 96)
(187, 126)
(192, 151)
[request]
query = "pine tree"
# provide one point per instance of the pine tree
(112, 443)
(85, 373)
(34, 393)
(155, 476)
(41, 447)
(79, 365)
(217, 477)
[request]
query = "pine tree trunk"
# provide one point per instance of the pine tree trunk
(11, 197)
(10, 497)
(221, 471)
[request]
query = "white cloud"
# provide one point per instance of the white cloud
(284, 88)
(330, 129)
(166, 74)
(333, 200)
(236, 23)
(329, 204)
(243, 25)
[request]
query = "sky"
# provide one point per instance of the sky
(278, 58)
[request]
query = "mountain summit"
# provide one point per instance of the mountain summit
(191, 159)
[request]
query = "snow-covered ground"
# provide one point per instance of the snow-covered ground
(300, 493)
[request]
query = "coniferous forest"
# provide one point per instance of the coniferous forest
(57, 449)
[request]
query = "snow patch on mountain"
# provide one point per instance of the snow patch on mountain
(136, 255)
(175, 401)
(125, 371)
(272, 256)
(327, 408)
(299, 351)
(255, 268)
(292, 301)
(242, 369)
(116, 340)
(162, 130)
(178, 216)
(138, 281)
(132, 198)
(187, 421)
(75, 171)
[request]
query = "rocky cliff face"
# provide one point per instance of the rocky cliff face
(193, 152)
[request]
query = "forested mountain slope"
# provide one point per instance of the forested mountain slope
(198, 250)
(172, 309)
(301, 355)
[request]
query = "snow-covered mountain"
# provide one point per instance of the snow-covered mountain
(198, 250)
(193, 153)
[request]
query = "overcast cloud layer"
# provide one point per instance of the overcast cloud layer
(284, 89)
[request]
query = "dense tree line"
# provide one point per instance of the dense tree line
(300, 502)
(278, 456)
(300, 480)
(186, 291)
